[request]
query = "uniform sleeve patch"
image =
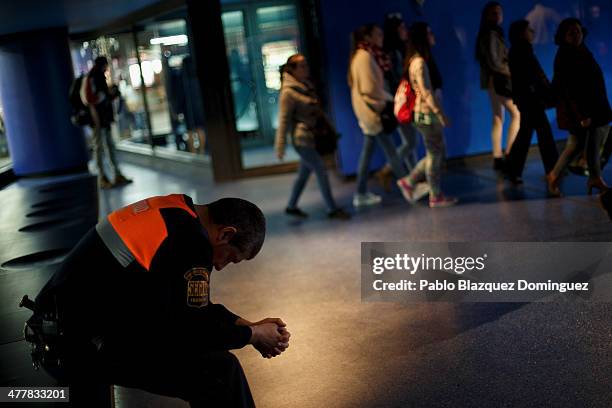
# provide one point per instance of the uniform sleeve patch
(197, 287)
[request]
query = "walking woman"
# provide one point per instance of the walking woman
(299, 110)
(369, 97)
(429, 118)
(583, 107)
(492, 55)
(395, 43)
(532, 93)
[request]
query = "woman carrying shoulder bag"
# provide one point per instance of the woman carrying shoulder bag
(369, 99)
(429, 119)
(299, 112)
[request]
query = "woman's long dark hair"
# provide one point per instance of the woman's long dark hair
(517, 33)
(392, 41)
(485, 26)
(419, 44)
(564, 27)
(357, 37)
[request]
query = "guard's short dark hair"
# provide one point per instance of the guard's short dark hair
(248, 220)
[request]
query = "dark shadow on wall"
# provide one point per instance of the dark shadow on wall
(451, 58)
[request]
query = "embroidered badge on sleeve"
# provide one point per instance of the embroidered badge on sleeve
(197, 287)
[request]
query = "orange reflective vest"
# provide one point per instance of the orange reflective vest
(141, 226)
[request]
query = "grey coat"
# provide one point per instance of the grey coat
(297, 114)
(494, 58)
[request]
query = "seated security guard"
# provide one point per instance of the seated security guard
(132, 302)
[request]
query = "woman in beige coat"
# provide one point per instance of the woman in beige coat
(299, 110)
(369, 98)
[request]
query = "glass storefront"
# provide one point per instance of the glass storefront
(160, 104)
(258, 40)
(160, 107)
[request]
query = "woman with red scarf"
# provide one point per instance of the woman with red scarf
(369, 97)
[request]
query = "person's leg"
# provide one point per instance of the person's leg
(434, 145)
(107, 137)
(593, 143)
(229, 387)
(407, 151)
(386, 143)
(515, 121)
(120, 179)
(299, 183)
(364, 164)
(98, 150)
(315, 162)
(574, 146)
(80, 372)
(498, 123)
(546, 142)
(211, 378)
(520, 147)
(607, 149)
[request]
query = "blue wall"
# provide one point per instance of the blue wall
(35, 75)
(455, 24)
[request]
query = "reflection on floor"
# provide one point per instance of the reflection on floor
(265, 156)
(346, 353)
(4, 162)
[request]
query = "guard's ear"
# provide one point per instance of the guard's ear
(226, 234)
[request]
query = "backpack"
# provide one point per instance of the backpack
(404, 101)
(80, 113)
(88, 91)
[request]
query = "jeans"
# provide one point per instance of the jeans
(591, 138)
(101, 137)
(408, 150)
(311, 161)
(386, 143)
(430, 167)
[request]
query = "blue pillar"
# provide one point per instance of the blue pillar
(35, 76)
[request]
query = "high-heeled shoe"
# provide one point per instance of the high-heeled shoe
(552, 184)
(597, 183)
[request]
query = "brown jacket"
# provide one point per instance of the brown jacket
(298, 110)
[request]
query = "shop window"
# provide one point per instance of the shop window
(258, 40)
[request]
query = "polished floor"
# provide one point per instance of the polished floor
(348, 353)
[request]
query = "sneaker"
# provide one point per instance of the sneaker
(339, 214)
(408, 189)
(120, 179)
(413, 193)
(442, 201)
(366, 200)
(296, 212)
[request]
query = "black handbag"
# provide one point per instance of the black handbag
(325, 136)
(502, 85)
(388, 119)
